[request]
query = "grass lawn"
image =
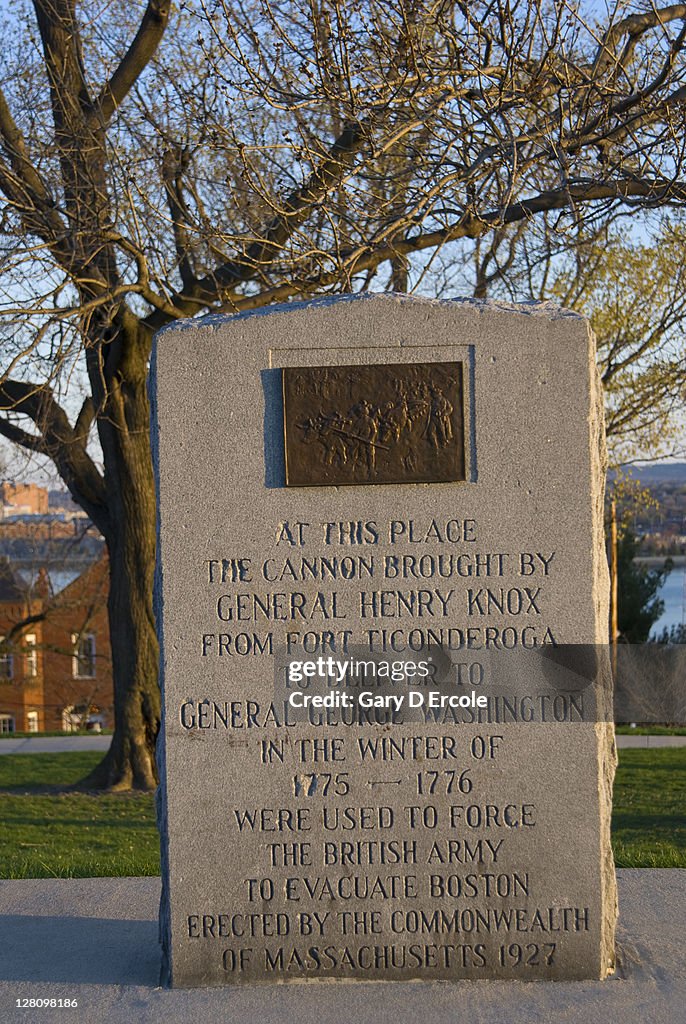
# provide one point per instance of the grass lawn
(70, 835)
(75, 835)
(649, 817)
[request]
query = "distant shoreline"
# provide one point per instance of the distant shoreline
(653, 561)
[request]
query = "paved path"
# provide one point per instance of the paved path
(95, 940)
(56, 744)
(652, 742)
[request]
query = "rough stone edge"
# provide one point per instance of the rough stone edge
(164, 932)
(604, 727)
(529, 308)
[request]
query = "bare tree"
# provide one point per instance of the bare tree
(241, 153)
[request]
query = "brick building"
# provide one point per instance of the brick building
(55, 661)
(23, 499)
(21, 675)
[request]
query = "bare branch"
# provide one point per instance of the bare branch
(13, 433)
(57, 439)
(291, 214)
(174, 164)
(469, 226)
(84, 421)
(135, 61)
(18, 628)
(63, 58)
(15, 146)
(634, 26)
(27, 192)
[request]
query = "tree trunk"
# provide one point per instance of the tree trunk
(130, 761)
(130, 536)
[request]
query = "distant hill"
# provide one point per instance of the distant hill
(658, 473)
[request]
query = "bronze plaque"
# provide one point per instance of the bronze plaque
(396, 423)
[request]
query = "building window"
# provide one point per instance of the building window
(6, 723)
(70, 721)
(31, 656)
(6, 661)
(32, 721)
(84, 655)
(82, 718)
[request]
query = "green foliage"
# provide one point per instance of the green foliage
(635, 297)
(629, 279)
(631, 497)
(638, 605)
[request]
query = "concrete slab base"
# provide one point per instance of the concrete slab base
(95, 940)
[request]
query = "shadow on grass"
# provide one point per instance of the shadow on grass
(653, 823)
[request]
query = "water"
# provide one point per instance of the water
(672, 594)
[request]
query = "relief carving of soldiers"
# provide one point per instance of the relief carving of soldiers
(439, 429)
(364, 430)
(418, 414)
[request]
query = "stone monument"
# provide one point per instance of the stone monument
(362, 481)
